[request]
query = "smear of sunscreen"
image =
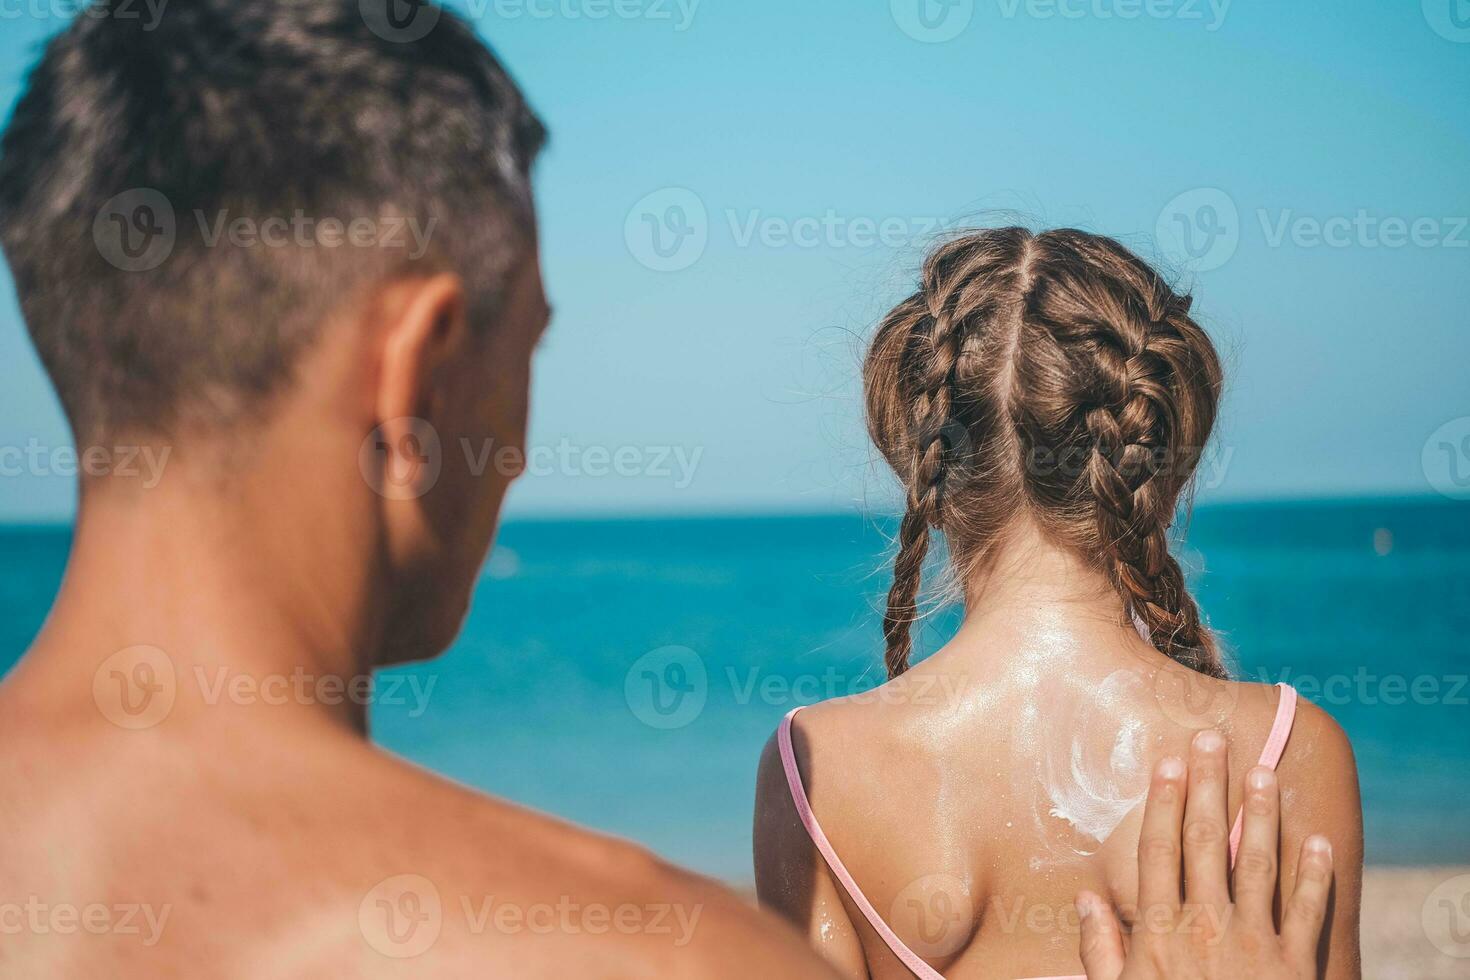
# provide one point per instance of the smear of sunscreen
(1091, 793)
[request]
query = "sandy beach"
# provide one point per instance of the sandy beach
(1406, 936)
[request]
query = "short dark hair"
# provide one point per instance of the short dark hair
(137, 144)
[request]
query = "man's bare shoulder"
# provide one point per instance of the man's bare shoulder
(342, 860)
(453, 881)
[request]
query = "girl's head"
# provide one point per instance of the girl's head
(1052, 378)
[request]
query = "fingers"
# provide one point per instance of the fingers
(1206, 834)
(1102, 938)
(1255, 864)
(1158, 840)
(1301, 925)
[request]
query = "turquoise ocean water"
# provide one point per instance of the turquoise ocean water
(563, 693)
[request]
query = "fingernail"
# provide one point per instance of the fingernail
(1171, 768)
(1209, 740)
(1260, 778)
(1319, 845)
(1084, 906)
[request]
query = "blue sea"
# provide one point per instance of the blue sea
(625, 674)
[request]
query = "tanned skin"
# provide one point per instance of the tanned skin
(933, 790)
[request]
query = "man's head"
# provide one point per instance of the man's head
(193, 205)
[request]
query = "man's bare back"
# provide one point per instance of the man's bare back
(262, 841)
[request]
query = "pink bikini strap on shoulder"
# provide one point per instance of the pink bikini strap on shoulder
(1281, 728)
(839, 871)
(1272, 753)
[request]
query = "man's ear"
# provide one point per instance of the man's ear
(425, 329)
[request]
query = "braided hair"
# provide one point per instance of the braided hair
(1054, 376)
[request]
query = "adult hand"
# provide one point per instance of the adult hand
(1200, 932)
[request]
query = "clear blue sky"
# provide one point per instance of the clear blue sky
(825, 120)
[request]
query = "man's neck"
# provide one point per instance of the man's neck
(262, 609)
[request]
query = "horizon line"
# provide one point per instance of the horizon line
(798, 513)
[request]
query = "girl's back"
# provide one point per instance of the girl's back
(1044, 400)
(969, 810)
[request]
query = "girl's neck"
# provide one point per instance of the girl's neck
(1032, 597)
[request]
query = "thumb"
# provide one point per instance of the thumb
(1102, 939)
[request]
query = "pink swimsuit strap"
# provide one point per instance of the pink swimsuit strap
(1270, 756)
